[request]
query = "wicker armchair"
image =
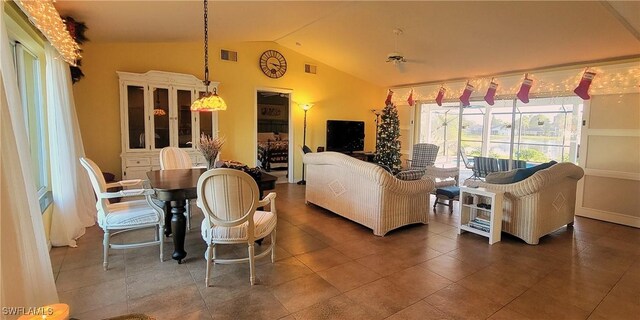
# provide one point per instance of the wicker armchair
(540, 204)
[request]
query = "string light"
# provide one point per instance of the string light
(609, 80)
(46, 18)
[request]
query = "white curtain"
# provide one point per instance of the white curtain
(25, 266)
(73, 201)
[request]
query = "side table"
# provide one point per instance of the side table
(481, 212)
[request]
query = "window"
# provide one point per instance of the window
(542, 130)
(29, 83)
(442, 129)
(548, 129)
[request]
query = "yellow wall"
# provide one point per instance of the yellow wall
(336, 95)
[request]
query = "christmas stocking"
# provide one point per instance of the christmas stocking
(583, 88)
(440, 96)
(388, 101)
(523, 94)
(410, 99)
(466, 94)
(491, 93)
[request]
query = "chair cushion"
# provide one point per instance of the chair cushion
(408, 175)
(522, 174)
(264, 221)
(449, 192)
(129, 213)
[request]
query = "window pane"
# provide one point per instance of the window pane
(161, 117)
(135, 97)
(548, 129)
(29, 85)
(184, 119)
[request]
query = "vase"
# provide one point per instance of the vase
(211, 161)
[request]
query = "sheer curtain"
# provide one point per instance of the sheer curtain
(27, 277)
(73, 202)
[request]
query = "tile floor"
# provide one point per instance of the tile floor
(331, 268)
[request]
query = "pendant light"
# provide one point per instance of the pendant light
(210, 101)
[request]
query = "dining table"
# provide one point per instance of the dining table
(175, 188)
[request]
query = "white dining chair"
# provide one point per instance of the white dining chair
(176, 158)
(229, 200)
(116, 218)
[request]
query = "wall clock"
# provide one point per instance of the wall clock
(273, 64)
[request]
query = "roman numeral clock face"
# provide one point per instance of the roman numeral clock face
(273, 64)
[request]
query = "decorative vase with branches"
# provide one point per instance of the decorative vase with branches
(210, 147)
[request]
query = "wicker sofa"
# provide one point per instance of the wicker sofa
(365, 193)
(538, 205)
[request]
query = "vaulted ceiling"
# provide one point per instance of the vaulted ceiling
(440, 40)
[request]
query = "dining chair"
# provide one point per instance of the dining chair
(176, 158)
(116, 218)
(229, 200)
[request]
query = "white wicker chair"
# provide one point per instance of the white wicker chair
(229, 199)
(539, 204)
(176, 158)
(126, 215)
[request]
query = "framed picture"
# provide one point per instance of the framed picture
(272, 112)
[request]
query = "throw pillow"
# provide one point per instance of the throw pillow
(409, 175)
(505, 177)
(522, 174)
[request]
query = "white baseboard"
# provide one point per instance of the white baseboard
(608, 216)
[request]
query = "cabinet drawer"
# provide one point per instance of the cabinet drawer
(155, 162)
(138, 162)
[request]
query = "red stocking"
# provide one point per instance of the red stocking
(440, 96)
(523, 94)
(491, 93)
(466, 95)
(388, 101)
(583, 88)
(410, 99)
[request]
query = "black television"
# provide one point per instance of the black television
(345, 136)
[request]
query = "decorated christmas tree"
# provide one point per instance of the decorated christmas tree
(388, 141)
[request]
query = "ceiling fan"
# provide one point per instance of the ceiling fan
(397, 58)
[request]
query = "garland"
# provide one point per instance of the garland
(76, 30)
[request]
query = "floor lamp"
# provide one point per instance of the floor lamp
(306, 108)
(377, 113)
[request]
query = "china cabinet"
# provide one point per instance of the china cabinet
(155, 113)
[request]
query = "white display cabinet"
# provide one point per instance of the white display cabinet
(155, 113)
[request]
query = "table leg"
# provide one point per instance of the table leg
(167, 219)
(179, 226)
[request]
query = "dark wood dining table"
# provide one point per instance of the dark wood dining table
(175, 188)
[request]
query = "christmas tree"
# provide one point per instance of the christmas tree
(388, 141)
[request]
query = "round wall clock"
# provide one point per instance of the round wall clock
(273, 64)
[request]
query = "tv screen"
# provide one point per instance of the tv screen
(345, 136)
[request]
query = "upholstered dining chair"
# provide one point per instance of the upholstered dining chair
(176, 158)
(229, 200)
(116, 218)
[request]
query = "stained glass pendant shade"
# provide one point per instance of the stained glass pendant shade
(210, 101)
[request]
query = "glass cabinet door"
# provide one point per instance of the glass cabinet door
(160, 105)
(135, 114)
(184, 119)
